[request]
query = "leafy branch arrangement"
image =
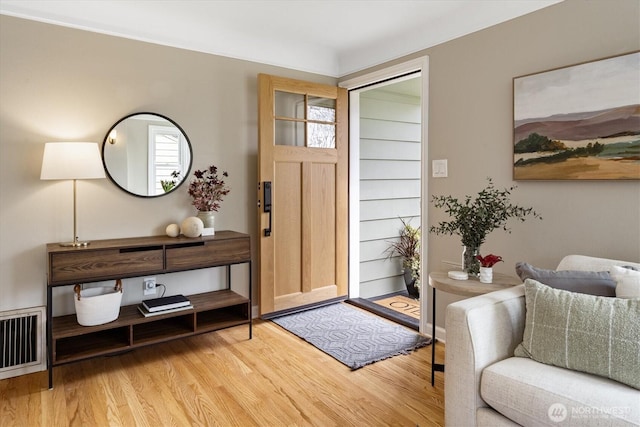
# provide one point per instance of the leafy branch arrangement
(474, 219)
(208, 189)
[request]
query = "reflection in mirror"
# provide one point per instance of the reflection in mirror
(147, 154)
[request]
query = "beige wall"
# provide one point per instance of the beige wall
(60, 84)
(470, 124)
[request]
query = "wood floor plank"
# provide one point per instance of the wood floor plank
(225, 379)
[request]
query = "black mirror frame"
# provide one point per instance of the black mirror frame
(188, 171)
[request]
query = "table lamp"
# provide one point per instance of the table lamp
(72, 160)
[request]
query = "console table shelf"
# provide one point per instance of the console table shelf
(69, 342)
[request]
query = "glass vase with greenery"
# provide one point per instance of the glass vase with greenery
(474, 218)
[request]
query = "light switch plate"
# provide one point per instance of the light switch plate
(439, 168)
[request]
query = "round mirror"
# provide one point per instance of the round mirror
(147, 154)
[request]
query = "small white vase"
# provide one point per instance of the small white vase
(486, 274)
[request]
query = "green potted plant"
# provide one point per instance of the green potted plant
(473, 219)
(408, 248)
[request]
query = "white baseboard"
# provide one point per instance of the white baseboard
(441, 333)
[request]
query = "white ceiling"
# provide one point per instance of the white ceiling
(329, 37)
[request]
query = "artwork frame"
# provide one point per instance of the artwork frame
(578, 122)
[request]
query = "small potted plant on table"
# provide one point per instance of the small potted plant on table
(486, 266)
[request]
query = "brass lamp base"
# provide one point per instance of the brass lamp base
(76, 243)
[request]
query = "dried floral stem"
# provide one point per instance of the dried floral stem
(207, 189)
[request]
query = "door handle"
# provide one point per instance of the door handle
(267, 205)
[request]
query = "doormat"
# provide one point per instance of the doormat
(401, 304)
(351, 336)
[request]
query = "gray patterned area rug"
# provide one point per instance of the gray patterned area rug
(352, 336)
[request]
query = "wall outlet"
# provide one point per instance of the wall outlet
(149, 286)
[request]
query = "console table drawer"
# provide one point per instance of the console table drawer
(208, 254)
(75, 267)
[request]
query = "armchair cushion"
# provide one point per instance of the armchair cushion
(582, 332)
(527, 392)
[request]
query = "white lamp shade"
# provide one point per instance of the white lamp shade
(71, 160)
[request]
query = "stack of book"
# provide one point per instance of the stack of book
(164, 305)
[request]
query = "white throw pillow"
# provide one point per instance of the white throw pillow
(627, 282)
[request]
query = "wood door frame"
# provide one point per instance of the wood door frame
(352, 85)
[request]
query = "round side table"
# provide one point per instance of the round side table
(467, 288)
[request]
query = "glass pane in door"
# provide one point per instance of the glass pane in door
(289, 105)
(321, 135)
(321, 109)
(290, 133)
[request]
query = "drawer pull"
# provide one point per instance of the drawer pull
(185, 245)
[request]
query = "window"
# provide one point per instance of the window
(166, 155)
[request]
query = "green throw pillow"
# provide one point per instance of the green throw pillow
(587, 333)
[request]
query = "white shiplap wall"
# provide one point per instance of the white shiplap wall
(390, 129)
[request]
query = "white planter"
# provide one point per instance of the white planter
(486, 274)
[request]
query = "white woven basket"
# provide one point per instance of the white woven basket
(99, 305)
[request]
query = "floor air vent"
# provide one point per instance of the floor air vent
(22, 348)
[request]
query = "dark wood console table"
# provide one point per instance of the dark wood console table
(68, 342)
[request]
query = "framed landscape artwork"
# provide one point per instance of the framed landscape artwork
(579, 122)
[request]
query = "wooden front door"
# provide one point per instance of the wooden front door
(302, 193)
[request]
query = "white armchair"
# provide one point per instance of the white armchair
(484, 330)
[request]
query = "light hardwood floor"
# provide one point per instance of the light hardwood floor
(225, 379)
